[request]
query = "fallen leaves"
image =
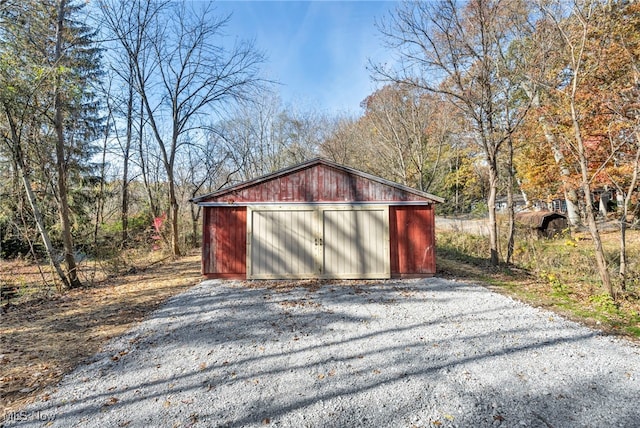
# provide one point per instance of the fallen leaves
(120, 354)
(302, 303)
(51, 334)
(111, 401)
(330, 373)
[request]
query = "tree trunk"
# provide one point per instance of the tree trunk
(124, 211)
(623, 250)
(144, 168)
(510, 203)
(491, 205)
(173, 211)
(37, 215)
(100, 198)
(195, 215)
(623, 216)
(63, 203)
(570, 195)
(601, 261)
(31, 197)
(522, 192)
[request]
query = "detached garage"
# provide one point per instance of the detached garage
(318, 219)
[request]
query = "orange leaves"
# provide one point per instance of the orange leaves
(111, 401)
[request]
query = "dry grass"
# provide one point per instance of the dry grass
(558, 274)
(44, 335)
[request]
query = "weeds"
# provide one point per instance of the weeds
(563, 271)
(604, 303)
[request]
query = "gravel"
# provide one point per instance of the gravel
(410, 353)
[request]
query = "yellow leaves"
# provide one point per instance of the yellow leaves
(570, 243)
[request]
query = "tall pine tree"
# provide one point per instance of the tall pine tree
(53, 104)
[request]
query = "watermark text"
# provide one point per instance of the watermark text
(23, 416)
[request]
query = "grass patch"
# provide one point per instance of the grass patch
(557, 274)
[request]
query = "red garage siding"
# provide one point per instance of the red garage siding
(412, 238)
(224, 245)
(317, 185)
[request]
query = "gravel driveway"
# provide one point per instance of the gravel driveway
(410, 353)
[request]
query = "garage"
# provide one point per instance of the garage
(318, 219)
(320, 241)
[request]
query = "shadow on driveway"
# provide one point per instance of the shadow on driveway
(427, 352)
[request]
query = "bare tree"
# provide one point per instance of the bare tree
(130, 57)
(187, 73)
(456, 49)
(345, 141)
(409, 131)
(264, 136)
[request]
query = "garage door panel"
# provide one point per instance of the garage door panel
(281, 244)
(356, 243)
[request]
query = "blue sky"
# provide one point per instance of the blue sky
(317, 50)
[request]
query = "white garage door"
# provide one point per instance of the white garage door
(318, 242)
(281, 244)
(356, 243)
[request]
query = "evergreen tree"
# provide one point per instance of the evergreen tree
(52, 63)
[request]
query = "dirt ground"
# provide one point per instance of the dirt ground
(45, 336)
